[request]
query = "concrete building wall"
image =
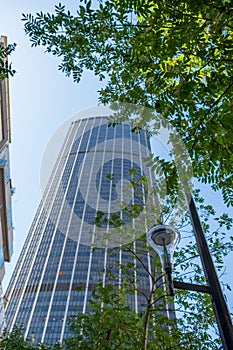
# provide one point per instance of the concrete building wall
(6, 225)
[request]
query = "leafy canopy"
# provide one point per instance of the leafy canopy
(173, 56)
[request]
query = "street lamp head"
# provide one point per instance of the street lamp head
(163, 239)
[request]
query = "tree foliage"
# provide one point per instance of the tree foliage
(115, 325)
(6, 69)
(15, 340)
(173, 56)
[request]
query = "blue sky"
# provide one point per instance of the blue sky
(41, 98)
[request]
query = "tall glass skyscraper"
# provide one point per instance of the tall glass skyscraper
(65, 247)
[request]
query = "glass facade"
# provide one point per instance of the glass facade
(58, 267)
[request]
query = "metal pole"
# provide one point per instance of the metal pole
(219, 304)
(200, 288)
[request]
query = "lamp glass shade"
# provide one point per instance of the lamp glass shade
(163, 239)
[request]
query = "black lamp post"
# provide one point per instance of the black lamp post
(163, 240)
(219, 303)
